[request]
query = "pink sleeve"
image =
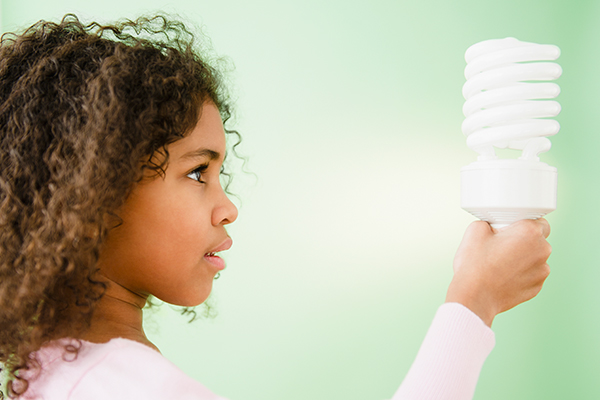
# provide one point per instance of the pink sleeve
(450, 359)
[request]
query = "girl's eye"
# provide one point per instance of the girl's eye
(197, 173)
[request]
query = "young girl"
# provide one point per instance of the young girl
(112, 145)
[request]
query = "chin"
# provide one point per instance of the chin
(190, 299)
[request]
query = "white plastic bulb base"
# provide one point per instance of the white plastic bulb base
(503, 191)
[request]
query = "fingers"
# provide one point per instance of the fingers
(545, 227)
(529, 237)
(538, 275)
(537, 282)
(497, 270)
(546, 271)
(535, 226)
(547, 251)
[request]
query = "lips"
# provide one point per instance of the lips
(215, 260)
(225, 245)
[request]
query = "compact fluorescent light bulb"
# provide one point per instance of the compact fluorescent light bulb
(507, 106)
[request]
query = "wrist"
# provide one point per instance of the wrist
(476, 302)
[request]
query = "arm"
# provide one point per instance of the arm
(493, 272)
(450, 358)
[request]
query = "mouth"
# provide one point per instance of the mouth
(214, 259)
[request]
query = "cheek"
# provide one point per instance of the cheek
(171, 262)
(184, 225)
(173, 238)
(159, 250)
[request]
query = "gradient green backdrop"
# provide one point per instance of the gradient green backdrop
(351, 114)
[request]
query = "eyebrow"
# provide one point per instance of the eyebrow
(201, 153)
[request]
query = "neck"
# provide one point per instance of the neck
(118, 314)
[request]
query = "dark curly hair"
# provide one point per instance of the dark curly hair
(84, 110)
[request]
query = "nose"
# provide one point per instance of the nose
(225, 212)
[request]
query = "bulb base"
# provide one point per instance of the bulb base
(504, 191)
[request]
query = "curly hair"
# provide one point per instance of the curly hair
(84, 110)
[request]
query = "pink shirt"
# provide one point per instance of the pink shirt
(447, 367)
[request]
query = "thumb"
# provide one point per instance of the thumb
(475, 235)
(478, 230)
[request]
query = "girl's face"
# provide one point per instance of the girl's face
(172, 226)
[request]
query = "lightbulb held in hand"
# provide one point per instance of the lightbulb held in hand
(507, 106)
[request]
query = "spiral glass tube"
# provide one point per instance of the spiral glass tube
(507, 106)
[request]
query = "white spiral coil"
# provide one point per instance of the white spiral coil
(503, 108)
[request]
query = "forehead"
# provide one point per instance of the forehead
(207, 134)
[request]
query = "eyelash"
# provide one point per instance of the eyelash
(196, 174)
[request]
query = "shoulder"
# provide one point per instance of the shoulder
(119, 369)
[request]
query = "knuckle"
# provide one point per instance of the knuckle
(545, 271)
(478, 226)
(532, 229)
(536, 291)
(548, 249)
(544, 252)
(528, 227)
(546, 227)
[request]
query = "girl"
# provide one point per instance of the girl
(112, 145)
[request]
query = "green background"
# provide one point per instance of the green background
(351, 114)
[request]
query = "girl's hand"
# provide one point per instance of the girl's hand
(496, 270)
